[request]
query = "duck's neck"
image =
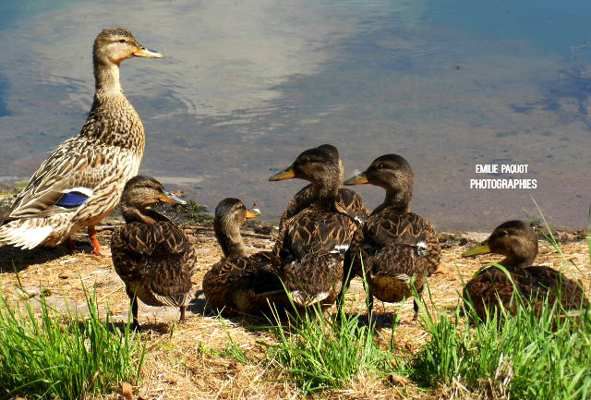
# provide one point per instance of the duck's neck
(228, 235)
(106, 79)
(398, 200)
(515, 261)
(326, 192)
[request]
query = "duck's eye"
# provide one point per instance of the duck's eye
(122, 40)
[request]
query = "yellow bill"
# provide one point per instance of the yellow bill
(287, 173)
(477, 250)
(146, 53)
(252, 213)
(360, 179)
(171, 198)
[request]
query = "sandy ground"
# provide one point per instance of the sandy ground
(187, 361)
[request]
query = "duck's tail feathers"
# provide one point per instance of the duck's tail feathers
(24, 234)
(176, 300)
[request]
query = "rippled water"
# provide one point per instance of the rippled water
(246, 85)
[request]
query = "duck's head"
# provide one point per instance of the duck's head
(230, 214)
(114, 45)
(515, 240)
(391, 172)
(140, 194)
(320, 165)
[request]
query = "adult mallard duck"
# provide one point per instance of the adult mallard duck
(493, 287)
(82, 180)
(396, 249)
(238, 282)
(152, 256)
(348, 199)
(312, 243)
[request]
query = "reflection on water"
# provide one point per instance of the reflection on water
(248, 85)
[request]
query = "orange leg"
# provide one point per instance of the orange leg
(96, 246)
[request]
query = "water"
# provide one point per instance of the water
(247, 85)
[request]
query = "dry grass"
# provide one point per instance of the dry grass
(194, 360)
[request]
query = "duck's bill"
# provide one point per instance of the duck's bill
(359, 179)
(252, 213)
(477, 250)
(172, 198)
(147, 53)
(287, 173)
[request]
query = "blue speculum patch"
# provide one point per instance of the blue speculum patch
(71, 200)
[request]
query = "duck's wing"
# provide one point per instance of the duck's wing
(314, 278)
(315, 230)
(489, 290)
(67, 180)
(243, 280)
(160, 255)
(348, 200)
(542, 281)
(353, 204)
(401, 244)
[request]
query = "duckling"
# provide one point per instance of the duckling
(397, 249)
(82, 180)
(348, 199)
(152, 256)
(492, 288)
(312, 243)
(239, 283)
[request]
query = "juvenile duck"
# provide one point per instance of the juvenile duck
(239, 283)
(312, 243)
(396, 248)
(492, 287)
(82, 180)
(348, 199)
(152, 256)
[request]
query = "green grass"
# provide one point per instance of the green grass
(528, 356)
(196, 213)
(328, 352)
(234, 351)
(66, 357)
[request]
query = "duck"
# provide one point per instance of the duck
(397, 249)
(312, 243)
(82, 180)
(347, 198)
(152, 256)
(493, 288)
(239, 283)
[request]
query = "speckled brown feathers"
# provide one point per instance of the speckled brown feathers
(107, 152)
(493, 287)
(395, 247)
(152, 256)
(157, 261)
(239, 283)
(243, 284)
(396, 250)
(312, 242)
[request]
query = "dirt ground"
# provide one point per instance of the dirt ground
(189, 361)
